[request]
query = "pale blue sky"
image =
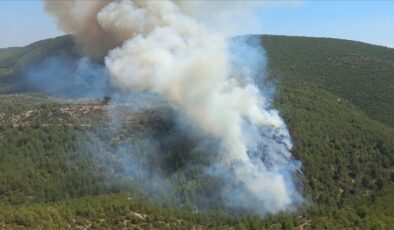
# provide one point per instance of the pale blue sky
(24, 21)
(367, 21)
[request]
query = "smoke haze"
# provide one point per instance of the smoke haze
(68, 77)
(171, 49)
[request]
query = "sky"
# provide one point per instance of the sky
(25, 21)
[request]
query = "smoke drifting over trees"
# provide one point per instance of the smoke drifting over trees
(168, 48)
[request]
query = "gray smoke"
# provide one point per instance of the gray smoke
(66, 76)
(161, 48)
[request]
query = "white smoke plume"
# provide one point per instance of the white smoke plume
(162, 47)
(79, 17)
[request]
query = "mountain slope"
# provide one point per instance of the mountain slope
(338, 112)
(13, 59)
(361, 73)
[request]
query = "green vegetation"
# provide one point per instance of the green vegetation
(14, 58)
(122, 212)
(357, 72)
(335, 95)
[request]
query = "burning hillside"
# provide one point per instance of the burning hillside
(167, 49)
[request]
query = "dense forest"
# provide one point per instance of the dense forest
(60, 168)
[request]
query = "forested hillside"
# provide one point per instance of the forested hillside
(360, 73)
(14, 59)
(336, 97)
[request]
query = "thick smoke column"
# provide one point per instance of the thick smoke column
(79, 18)
(160, 48)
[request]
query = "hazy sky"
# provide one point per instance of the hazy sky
(25, 21)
